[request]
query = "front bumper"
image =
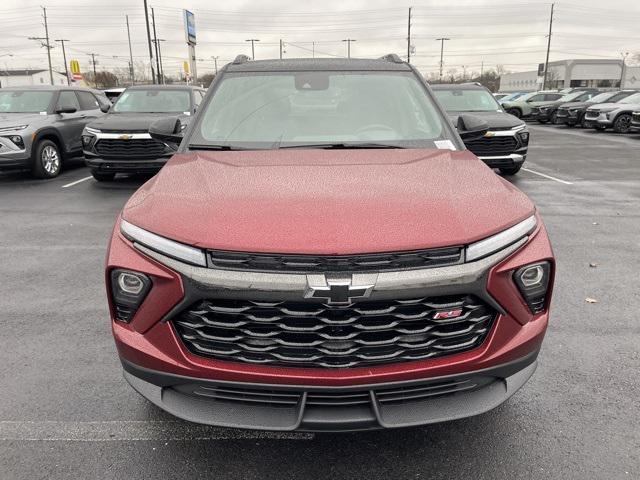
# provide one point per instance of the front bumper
(12, 157)
(124, 165)
(158, 364)
(541, 115)
(504, 161)
(602, 120)
(312, 408)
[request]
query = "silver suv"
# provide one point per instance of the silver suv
(40, 127)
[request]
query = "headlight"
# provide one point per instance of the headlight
(128, 290)
(543, 109)
(91, 131)
(163, 245)
(533, 283)
(17, 128)
(606, 110)
(500, 240)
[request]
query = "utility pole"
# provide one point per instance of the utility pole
(158, 46)
(95, 76)
(348, 40)
(624, 68)
(546, 62)
(441, 40)
(409, 38)
(155, 42)
(133, 81)
(313, 49)
(253, 50)
(44, 41)
(64, 56)
(146, 18)
(215, 63)
(281, 49)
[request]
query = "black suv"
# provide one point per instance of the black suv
(548, 112)
(119, 142)
(505, 145)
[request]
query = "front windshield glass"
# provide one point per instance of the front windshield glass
(511, 96)
(635, 98)
(569, 97)
(280, 109)
(25, 101)
(153, 101)
(602, 97)
(456, 100)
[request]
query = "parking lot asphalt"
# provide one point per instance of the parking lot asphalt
(66, 412)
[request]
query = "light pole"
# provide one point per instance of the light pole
(348, 40)
(441, 40)
(253, 50)
(624, 68)
(64, 56)
(215, 63)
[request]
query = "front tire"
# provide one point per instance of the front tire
(47, 160)
(622, 124)
(103, 176)
(510, 170)
(515, 112)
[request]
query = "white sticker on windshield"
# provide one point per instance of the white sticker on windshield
(445, 144)
(43, 113)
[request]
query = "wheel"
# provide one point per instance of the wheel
(102, 176)
(622, 124)
(510, 170)
(554, 118)
(47, 161)
(515, 112)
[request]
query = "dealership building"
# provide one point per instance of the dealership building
(573, 73)
(22, 78)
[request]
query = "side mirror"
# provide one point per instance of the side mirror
(104, 108)
(66, 109)
(167, 129)
(471, 127)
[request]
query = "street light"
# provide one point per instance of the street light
(253, 51)
(348, 40)
(441, 40)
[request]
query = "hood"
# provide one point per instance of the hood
(15, 119)
(577, 104)
(131, 121)
(326, 201)
(501, 120)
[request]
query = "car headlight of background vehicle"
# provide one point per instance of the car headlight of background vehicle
(533, 282)
(128, 290)
(17, 128)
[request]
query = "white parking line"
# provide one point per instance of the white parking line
(132, 430)
(547, 176)
(76, 182)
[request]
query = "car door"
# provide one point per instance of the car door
(89, 106)
(70, 123)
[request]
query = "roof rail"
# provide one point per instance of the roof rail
(392, 57)
(241, 59)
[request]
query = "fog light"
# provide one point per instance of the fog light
(524, 137)
(86, 140)
(533, 283)
(129, 289)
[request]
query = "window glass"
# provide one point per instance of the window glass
(153, 101)
(279, 108)
(458, 100)
(68, 99)
(538, 98)
(87, 101)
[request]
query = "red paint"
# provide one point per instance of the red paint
(317, 201)
(327, 201)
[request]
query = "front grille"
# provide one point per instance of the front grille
(138, 148)
(535, 111)
(592, 114)
(636, 117)
(291, 397)
(438, 257)
(311, 334)
(562, 112)
(492, 146)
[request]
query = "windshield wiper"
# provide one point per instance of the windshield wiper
(340, 146)
(193, 146)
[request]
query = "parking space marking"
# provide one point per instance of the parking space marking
(131, 430)
(565, 182)
(77, 182)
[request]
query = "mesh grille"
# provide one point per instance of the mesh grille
(490, 146)
(309, 334)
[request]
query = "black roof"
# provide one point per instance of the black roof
(163, 87)
(317, 64)
(457, 86)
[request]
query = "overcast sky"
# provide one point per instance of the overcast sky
(510, 33)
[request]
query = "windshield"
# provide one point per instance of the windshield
(511, 96)
(569, 97)
(635, 98)
(455, 100)
(280, 109)
(603, 97)
(153, 101)
(26, 101)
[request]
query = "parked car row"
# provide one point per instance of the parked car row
(42, 127)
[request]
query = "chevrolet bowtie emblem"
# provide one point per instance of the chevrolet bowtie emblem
(489, 134)
(125, 137)
(338, 291)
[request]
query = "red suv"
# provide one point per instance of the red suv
(322, 253)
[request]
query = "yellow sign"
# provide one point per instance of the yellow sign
(75, 69)
(185, 65)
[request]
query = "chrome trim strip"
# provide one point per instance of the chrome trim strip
(516, 157)
(500, 240)
(118, 136)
